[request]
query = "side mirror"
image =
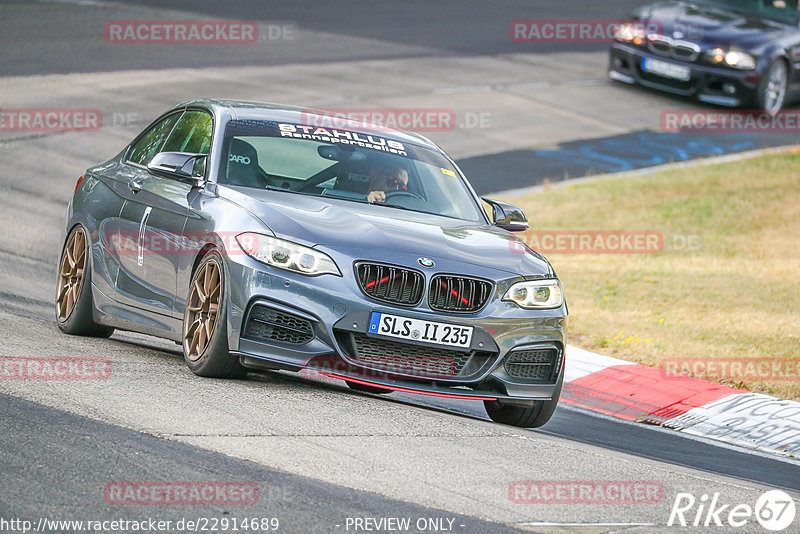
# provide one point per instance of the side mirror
(507, 216)
(183, 166)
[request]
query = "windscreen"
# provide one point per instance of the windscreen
(785, 11)
(344, 164)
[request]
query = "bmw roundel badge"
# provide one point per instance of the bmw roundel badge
(426, 262)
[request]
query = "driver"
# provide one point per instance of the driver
(385, 177)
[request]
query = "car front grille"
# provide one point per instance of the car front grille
(409, 359)
(534, 365)
(659, 47)
(458, 294)
(684, 52)
(668, 47)
(268, 324)
(390, 283)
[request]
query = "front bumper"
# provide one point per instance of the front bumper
(337, 312)
(711, 84)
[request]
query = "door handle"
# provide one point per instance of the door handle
(135, 185)
(142, 231)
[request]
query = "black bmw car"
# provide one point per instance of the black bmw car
(737, 53)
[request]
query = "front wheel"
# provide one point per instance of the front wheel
(532, 415)
(74, 289)
(205, 341)
(772, 88)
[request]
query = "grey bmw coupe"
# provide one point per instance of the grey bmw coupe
(265, 237)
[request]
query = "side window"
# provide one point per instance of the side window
(191, 134)
(148, 146)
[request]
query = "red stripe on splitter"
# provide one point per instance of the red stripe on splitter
(635, 392)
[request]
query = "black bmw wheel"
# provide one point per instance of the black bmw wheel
(772, 89)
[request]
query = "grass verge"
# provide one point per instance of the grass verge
(721, 301)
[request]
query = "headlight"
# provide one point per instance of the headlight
(536, 294)
(631, 32)
(733, 58)
(740, 60)
(286, 255)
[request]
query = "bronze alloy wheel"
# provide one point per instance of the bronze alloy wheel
(202, 310)
(70, 274)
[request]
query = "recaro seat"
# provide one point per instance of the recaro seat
(243, 166)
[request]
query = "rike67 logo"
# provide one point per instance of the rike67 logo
(774, 510)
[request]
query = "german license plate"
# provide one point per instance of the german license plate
(451, 335)
(666, 69)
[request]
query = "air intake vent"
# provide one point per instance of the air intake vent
(416, 360)
(268, 324)
(390, 283)
(534, 365)
(458, 294)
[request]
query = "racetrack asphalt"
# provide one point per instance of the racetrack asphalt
(83, 455)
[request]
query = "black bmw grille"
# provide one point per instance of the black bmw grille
(660, 47)
(685, 53)
(458, 294)
(680, 50)
(535, 365)
(411, 359)
(390, 283)
(264, 323)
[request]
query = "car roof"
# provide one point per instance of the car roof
(247, 110)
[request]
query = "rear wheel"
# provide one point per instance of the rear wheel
(772, 89)
(366, 388)
(205, 341)
(74, 289)
(532, 415)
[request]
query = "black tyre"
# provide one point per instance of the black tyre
(366, 388)
(533, 415)
(74, 289)
(771, 94)
(205, 339)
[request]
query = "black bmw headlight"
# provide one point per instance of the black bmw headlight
(732, 58)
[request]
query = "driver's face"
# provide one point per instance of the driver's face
(387, 179)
